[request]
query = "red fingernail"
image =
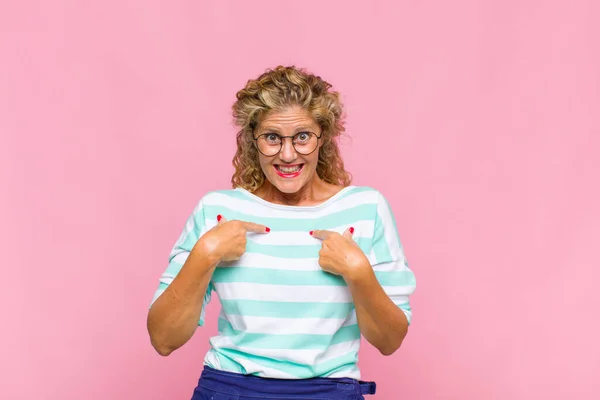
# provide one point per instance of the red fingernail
(351, 230)
(267, 229)
(310, 232)
(219, 218)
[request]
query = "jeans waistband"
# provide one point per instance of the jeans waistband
(236, 383)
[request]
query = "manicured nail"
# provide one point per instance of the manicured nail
(219, 218)
(267, 229)
(351, 230)
(311, 232)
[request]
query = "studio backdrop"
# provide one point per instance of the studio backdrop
(478, 120)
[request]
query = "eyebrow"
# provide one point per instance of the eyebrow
(302, 128)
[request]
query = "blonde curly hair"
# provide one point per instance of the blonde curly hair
(277, 89)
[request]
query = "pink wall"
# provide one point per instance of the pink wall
(480, 121)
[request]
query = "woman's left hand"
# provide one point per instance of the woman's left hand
(339, 254)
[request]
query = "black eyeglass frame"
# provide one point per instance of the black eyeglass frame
(281, 144)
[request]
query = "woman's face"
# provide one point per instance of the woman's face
(291, 169)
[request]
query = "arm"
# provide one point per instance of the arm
(381, 322)
(177, 308)
(185, 286)
(380, 284)
(173, 317)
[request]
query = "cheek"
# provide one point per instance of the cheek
(263, 161)
(313, 158)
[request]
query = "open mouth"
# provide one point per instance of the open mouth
(288, 171)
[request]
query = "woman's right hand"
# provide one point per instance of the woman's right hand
(226, 241)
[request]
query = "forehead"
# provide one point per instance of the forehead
(288, 118)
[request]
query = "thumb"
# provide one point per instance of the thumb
(220, 219)
(348, 233)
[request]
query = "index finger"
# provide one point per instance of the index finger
(321, 234)
(253, 227)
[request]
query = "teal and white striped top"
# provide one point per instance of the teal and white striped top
(281, 315)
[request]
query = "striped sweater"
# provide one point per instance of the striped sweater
(281, 315)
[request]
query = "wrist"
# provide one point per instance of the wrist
(207, 250)
(360, 273)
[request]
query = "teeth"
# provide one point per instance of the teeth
(288, 170)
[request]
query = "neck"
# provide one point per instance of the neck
(314, 192)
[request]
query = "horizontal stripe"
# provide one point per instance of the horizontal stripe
(245, 367)
(385, 214)
(269, 292)
(158, 293)
(180, 258)
(399, 291)
(320, 326)
(239, 200)
(388, 266)
(270, 276)
(301, 371)
(173, 268)
(398, 299)
(276, 276)
(346, 371)
(363, 230)
(295, 251)
(298, 356)
(223, 363)
(279, 309)
(404, 306)
(395, 278)
(329, 221)
(287, 341)
(306, 251)
(386, 242)
(257, 260)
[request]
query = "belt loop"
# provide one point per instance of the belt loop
(367, 387)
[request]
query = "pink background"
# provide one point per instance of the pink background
(480, 121)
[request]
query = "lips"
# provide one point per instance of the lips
(288, 171)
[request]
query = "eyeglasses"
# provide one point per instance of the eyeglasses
(270, 144)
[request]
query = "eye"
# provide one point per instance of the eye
(303, 137)
(271, 138)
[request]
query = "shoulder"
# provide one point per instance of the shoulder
(365, 194)
(378, 202)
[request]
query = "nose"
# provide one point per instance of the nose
(288, 153)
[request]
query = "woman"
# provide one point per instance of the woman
(302, 261)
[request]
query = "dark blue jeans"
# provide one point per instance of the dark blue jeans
(221, 385)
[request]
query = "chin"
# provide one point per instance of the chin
(287, 187)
